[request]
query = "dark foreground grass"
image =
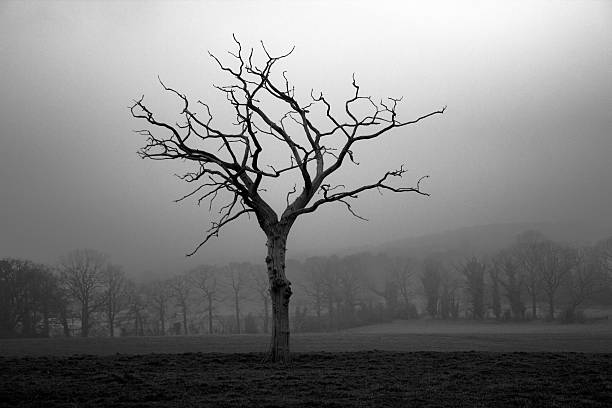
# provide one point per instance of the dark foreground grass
(365, 378)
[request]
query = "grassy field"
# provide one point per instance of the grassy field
(424, 364)
(396, 336)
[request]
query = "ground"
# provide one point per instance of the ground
(414, 364)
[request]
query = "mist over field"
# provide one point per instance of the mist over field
(525, 137)
(264, 203)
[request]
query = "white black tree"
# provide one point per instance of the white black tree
(231, 163)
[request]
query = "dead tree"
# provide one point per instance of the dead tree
(159, 293)
(114, 287)
(508, 276)
(555, 264)
(494, 275)
(81, 273)
(431, 280)
(474, 273)
(527, 249)
(233, 162)
(237, 282)
(260, 280)
(203, 277)
(181, 291)
(585, 279)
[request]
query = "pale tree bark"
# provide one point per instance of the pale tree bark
(229, 164)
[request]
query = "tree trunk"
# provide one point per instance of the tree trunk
(85, 320)
(64, 320)
(46, 328)
(534, 309)
(162, 319)
(111, 318)
(266, 316)
(551, 307)
(280, 293)
(185, 320)
(210, 316)
(237, 309)
(111, 327)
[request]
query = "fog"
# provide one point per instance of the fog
(525, 138)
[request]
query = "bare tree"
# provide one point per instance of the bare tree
(392, 268)
(159, 294)
(231, 163)
(507, 266)
(137, 306)
(474, 272)
(349, 275)
(262, 287)
(494, 275)
(604, 251)
(431, 281)
(586, 278)
(114, 292)
(29, 296)
(81, 272)
(238, 275)
(181, 289)
(204, 278)
(555, 263)
(315, 283)
(403, 273)
(527, 249)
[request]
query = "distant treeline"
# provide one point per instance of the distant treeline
(85, 294)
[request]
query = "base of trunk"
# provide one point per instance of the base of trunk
(279, 349)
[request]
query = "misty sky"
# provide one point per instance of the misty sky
(526, 137)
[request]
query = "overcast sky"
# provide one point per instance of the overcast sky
(526, 137)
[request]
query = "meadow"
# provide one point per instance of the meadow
(421, 363)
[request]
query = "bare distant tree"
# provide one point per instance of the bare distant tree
(204, 278)
(262, 287)
(508, 275)
(237, 280)
(403, 273)
(137, 306)
(315, 282)
(115, 294)
(181, 289)
(528, 249)
(29, 297)
(392, 268)
(474, 273)
(494, 275)
(81, 272)
(159, 294)
(604, 250)
(586, 278)
(350, 283)
(231, 163)
(555, 263)
(432, 281)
